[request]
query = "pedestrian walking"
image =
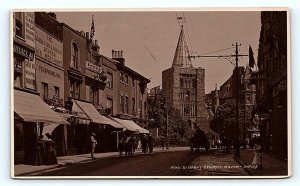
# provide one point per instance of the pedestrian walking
(150, 143)
(139, 145)
(257, 159)
(50, 150)
(40, 151)
(144, 142)
(94, 144)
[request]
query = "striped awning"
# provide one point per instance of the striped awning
(31, 108)
(90, 111)
(131, 126)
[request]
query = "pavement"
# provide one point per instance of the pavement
(22, 169)
(272, 166)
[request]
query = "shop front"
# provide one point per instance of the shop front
(33, 118)
(104, 128)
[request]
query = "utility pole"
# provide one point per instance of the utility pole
(237, 128)
(237, 136)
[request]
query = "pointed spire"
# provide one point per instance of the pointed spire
(181, 57)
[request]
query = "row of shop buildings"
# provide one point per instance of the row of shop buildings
(63, 85)
(263, 89)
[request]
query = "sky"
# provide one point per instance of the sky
(149, 38)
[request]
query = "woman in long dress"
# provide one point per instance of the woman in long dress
(50, 151)
(40, 152)
(257, 160)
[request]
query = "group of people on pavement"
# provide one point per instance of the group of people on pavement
(45, 153)
(129, 144)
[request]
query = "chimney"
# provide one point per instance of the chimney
(52, 14)
(96, 47)
(118, 55)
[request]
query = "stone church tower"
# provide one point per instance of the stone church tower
(184, 87)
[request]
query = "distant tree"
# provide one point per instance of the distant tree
(224, 122)
(157, 113)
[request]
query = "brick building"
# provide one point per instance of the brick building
(184, 87)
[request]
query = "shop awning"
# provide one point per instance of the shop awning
(49, 128)
(94, 115)
(32, 108)
(131, 126)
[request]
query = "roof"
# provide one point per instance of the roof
(181, 56)
(32, 108)
(131, 125)
(94, 115)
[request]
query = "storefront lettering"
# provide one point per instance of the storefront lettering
(48, 47)
(92, 67)
(50, 72)
(30, 75)
(29, 29)
(23, 52)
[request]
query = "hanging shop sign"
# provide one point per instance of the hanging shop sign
(29, 29)
(23, 51)
(48, 47)
(92, 67)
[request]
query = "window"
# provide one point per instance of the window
(126, 79)
(17, 80)
(74, 56)
(56, 91)
(19, 19)
(77, 90)
(109, 81)
(132, 83)
(109, 104)
(74, 89)
(126, 105)
(133, 105)
(122, 103)
(45, 90)
(121, 76)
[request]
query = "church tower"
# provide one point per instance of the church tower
(184, 87)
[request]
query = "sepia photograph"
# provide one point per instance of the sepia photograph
(150, 93)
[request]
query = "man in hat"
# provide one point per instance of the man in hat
(94, 143)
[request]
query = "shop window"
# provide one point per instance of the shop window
(74, 56)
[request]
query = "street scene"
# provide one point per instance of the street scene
(137, 94)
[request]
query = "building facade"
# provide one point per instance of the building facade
(272, 82)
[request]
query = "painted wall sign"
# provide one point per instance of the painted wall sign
(30, 75)
(29, 29)
(48, 48)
